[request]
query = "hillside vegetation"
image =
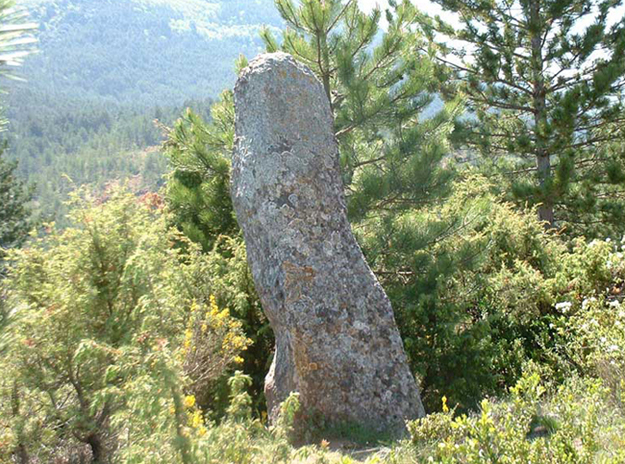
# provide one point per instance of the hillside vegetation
(69, 143)
(131, 330)
(104, 70)
(142, 52)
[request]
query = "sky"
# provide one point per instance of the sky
(424, 5)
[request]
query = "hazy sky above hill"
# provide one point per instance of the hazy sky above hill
(424, 5)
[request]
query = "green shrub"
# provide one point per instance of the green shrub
(569, 424)
(479, 288)
(469, 283)
(113, 328)
(590, 327)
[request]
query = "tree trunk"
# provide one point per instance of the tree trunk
(545, 210)
(20, 453)
(324, 66)
(543, 161)
(98, 454)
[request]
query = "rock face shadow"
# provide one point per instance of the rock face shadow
(337, 342)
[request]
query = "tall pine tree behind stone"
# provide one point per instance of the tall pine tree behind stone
(544, 79)
(393, 144)
(379, 89)
(197, 188)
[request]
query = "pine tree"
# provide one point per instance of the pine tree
(16, 221)
(544, 80)
(15, 216)
(15, 44)
(198, 187)
(392, 140)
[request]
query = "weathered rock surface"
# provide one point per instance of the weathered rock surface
(337, 342)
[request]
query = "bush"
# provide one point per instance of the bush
(569, 424)
(590, 327)
(113, 329)
(469, 283)
(479, 288)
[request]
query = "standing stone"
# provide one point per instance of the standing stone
(337, 343)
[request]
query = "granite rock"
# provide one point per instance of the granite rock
(337, 342)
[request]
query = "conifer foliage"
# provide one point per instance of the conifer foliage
(391, 138)
(15, 41)
(198, 188)
(15, 217)
(14, 195)
(544, 80)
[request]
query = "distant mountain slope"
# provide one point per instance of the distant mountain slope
(104, 70)
(144, 52)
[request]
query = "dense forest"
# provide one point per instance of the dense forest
(69, 143)
(482, 154)
(145, 52)
(103, 72)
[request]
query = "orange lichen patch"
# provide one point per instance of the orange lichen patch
(294, 277)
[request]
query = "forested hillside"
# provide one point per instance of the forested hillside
(105, 70)
(144, 52)
(68, 143)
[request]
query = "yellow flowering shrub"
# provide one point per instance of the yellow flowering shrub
(571, 423)
(213, 341)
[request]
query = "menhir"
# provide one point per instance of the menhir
(337, 342)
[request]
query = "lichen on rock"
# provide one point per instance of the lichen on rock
(337, 342)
